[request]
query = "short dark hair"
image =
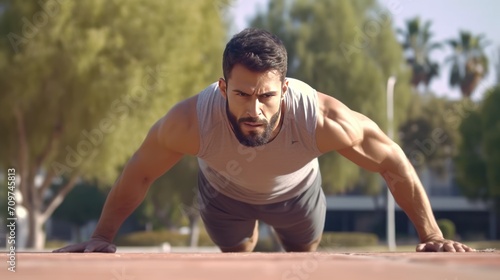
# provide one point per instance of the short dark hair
(256, 49)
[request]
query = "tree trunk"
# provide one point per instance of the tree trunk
(38, 216)
(33, 196)
(148, 227)
(77, 233)
(36, 237)
(194, 230)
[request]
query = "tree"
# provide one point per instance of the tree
(417, 42)
(83, 81)
(82, 205)
(479, 159)
(349, 50)
(430, 135)
(172, 200)
(497, 67)
(3, 206)
(469, 62)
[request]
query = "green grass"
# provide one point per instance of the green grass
(55, 244)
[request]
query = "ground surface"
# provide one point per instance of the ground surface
(259, 266)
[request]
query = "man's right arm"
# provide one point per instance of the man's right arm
(163, 147)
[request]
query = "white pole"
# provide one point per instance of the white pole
(391, 228)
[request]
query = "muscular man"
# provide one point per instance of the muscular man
(257, 135)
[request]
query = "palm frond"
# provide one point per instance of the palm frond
(434, 46)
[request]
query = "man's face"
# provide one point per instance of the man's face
(253, 103)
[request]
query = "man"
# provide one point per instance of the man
(257, 136)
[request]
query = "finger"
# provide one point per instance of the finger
(70, 248)
(427, 247)
(434, 247)
(468, 249)
(89, 248)
(459, 247)
(439, 247)
(421, 247)
(448, 247)
(111, 248)
(100, 247)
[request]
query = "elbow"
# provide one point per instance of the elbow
(396, 163)
(145, 182)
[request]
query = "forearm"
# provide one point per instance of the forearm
(127, 194)
(410, 195)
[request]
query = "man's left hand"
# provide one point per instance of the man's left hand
(443, 245)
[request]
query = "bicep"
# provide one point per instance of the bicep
(354, 136)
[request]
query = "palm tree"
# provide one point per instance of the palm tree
(417, 43)
(469, 62)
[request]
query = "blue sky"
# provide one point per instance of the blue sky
(448, 18)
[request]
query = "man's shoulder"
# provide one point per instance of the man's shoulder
(182, 114)
(187, 108)
(209, 89)
(179, 127)
(299, 85)
(301, 92)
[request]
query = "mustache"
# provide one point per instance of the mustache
(250, 119)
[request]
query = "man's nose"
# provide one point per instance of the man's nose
(255, 109)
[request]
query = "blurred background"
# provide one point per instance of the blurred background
(81, 83)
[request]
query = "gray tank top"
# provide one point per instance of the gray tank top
(271, 173)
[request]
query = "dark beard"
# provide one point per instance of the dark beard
(253, 139)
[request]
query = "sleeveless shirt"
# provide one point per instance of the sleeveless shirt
(274, 172)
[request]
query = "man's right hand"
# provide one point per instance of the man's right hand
(93, 245)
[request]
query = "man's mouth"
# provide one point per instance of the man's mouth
(253, 124)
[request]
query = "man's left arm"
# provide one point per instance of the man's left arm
(360, 140)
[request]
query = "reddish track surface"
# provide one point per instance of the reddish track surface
(259, 266)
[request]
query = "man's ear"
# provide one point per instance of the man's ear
(284, 89)
(223, 87)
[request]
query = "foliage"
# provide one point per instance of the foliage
(469, 62)
(478, 160)
(447, 228)
(171, 196)
(346, 49)
(417, 40)
(430, 135)
(82, 82)
(55, 244)
(348, 239)
(82, 205)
